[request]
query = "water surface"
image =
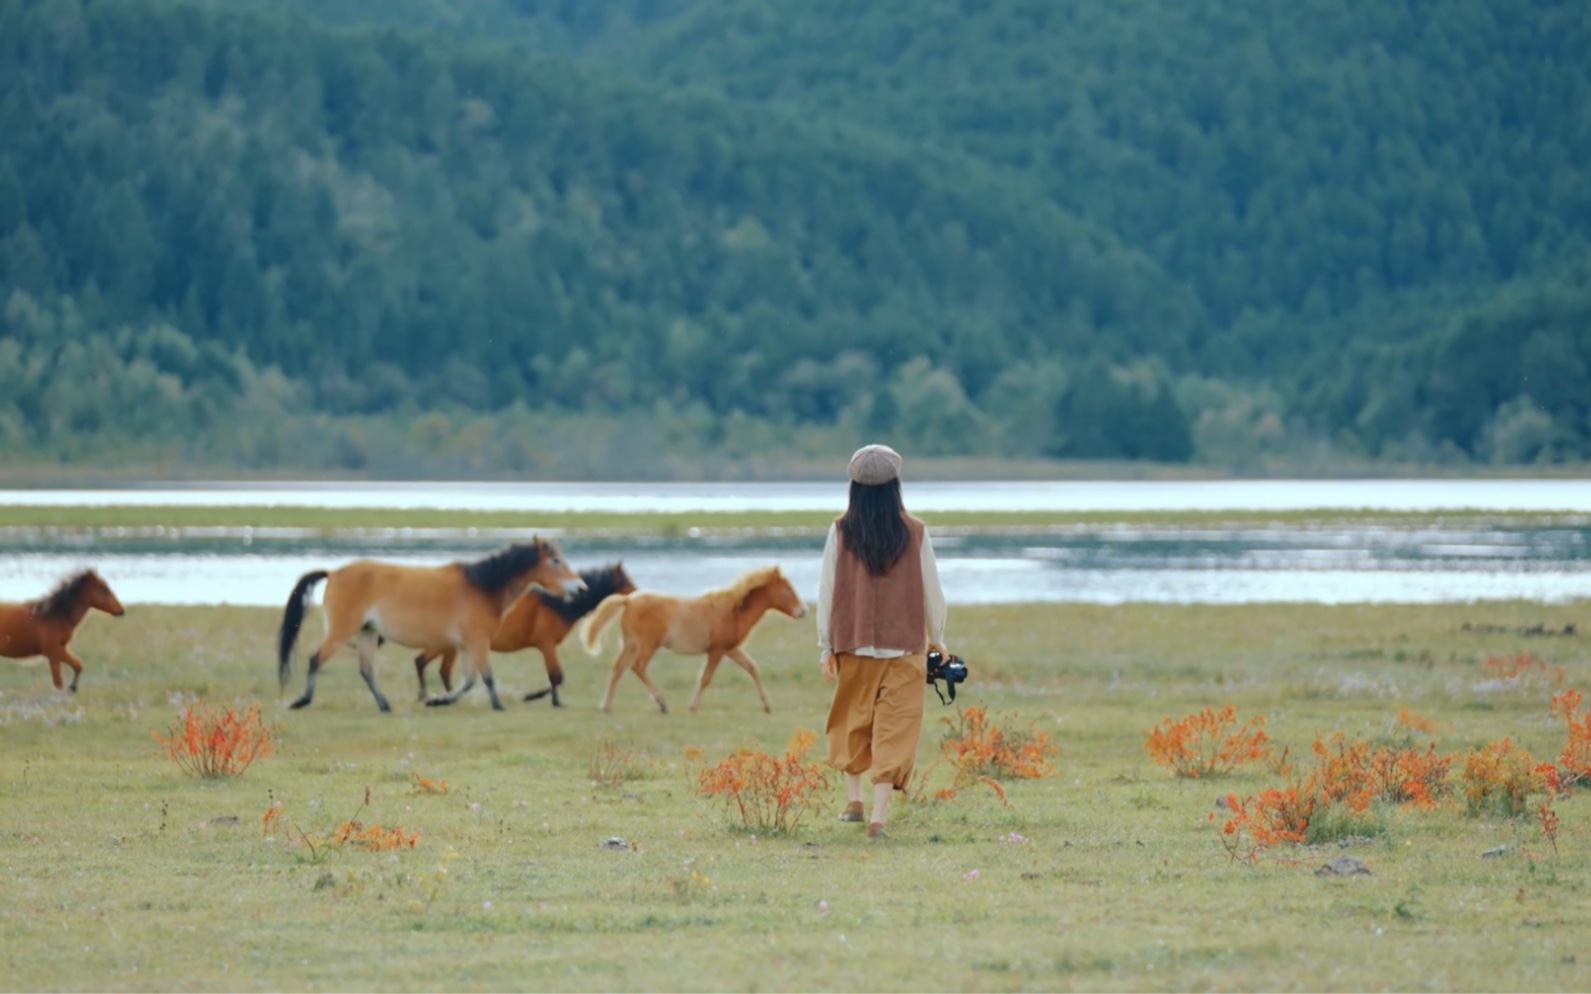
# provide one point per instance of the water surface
(926, 496)
(1096, 564)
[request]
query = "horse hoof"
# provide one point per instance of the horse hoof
(536, 695)
(437, 702)
(302, 702)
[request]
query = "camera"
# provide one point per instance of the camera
(947, 668)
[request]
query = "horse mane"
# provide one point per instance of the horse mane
(498, 570)
(600, 582)
(734, 595)
(58, 603)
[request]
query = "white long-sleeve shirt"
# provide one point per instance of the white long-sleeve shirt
(933, 599)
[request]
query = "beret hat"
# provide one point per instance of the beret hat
(875, 464)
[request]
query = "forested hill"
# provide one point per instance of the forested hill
(1155, 230)
(1292, 157)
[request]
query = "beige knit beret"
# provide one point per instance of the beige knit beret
(875, 464)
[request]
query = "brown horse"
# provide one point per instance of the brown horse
(714, 623)
(539, 620)
(458, 605)
(44, 627)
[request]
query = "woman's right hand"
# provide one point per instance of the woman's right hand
(826, 665)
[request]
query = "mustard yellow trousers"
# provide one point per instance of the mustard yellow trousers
(877, 715)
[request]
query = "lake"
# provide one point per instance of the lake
(924, 496)
(1107, 564)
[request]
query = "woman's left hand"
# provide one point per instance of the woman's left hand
(826, 666)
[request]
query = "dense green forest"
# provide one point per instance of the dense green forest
(674, 236)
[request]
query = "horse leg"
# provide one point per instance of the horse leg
(554, 677)
(476, 654)
(450, 656)
(327, 650)
(367, 669)
(708, 669)
(77, 668)
(55, 670)
(424, 659)
(748, 664)
(620, 664)
(640, 671)
(481, 662)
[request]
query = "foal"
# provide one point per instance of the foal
(714, 623)
(539, 620)
(44, 627)
(458, 605)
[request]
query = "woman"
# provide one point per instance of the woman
(880, 609)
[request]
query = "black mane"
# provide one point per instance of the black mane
(498, 570)
(59, 602)
(600, 582)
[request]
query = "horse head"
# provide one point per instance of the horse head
(97, 594)
(783, 597)
(550, 571)
(622, 584)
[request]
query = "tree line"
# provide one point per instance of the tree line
(732, 242)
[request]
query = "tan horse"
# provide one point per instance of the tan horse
(458, 605)
(44, 627)
(714, 623)
(539, 620)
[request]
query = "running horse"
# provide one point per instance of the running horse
(714, 624)
(539, 620)
(456, 606)
(44, 627)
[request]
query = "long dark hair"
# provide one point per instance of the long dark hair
(874, 526)
(59, 602)
(496, 571)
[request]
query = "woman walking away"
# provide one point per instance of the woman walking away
(880, 610)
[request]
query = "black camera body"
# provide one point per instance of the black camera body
(947, 668)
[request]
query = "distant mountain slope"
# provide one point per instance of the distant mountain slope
(586, 28)
(508, 228)
(1295, 159)
(1300, 157)
(1143, 229)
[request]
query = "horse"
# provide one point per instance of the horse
(539, 620)
(714, 623)
(458, 606)
(44, 627)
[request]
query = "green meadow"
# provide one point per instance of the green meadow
(124, 873)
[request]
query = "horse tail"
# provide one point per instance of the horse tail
(591, 630)
(293, 620)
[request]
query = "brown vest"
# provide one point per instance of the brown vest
(885, 612)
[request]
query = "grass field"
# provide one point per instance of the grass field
(122, 873)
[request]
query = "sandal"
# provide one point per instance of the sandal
(875, 830)
(852, 812)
